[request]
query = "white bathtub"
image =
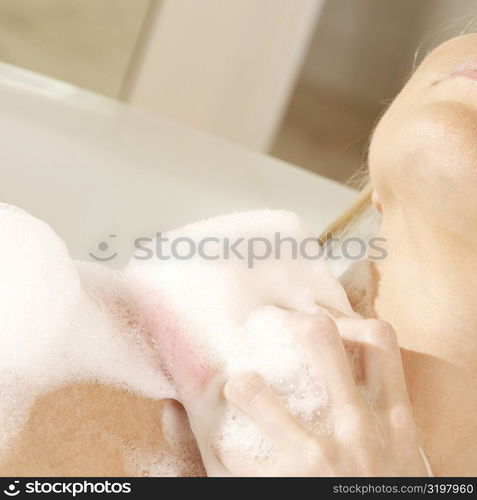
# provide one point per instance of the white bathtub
(92, 167)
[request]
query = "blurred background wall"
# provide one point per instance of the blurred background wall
(86, 42)
(304, 80)
(361, 53)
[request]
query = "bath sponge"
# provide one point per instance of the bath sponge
(216, 313)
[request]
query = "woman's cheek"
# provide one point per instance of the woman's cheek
(425, 158)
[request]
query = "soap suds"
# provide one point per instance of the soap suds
(62, 321)
(163, 329)
(222, 317)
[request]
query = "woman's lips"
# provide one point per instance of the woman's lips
(471, 74)
(466, 70)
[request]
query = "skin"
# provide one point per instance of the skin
(422, 160)
(86, 429)
(63, 426)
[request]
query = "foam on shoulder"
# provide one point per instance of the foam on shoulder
(194, 321)
(39, 290)
(62, 322)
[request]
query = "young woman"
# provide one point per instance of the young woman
(423, 182)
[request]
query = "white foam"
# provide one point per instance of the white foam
(199, 321)
(40, 288)
(214, 318)
(62, 322)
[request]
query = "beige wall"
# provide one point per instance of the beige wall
(224, 66)
(85, 42)
(361, 53)
(363, 47)
(366, 48)
(206, 68)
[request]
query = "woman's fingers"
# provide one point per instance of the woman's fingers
(249, 393)
(383, 369)
(359, 441)
(380, 363)
(327, 357)
(381, 358)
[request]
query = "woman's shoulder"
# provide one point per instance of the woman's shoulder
(87, 429)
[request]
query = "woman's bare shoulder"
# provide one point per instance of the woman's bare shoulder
(86, 429)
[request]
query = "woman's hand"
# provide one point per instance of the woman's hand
(364, 441)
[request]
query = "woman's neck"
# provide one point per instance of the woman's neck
(428, 290)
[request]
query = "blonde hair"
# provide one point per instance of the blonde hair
(345, 221)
